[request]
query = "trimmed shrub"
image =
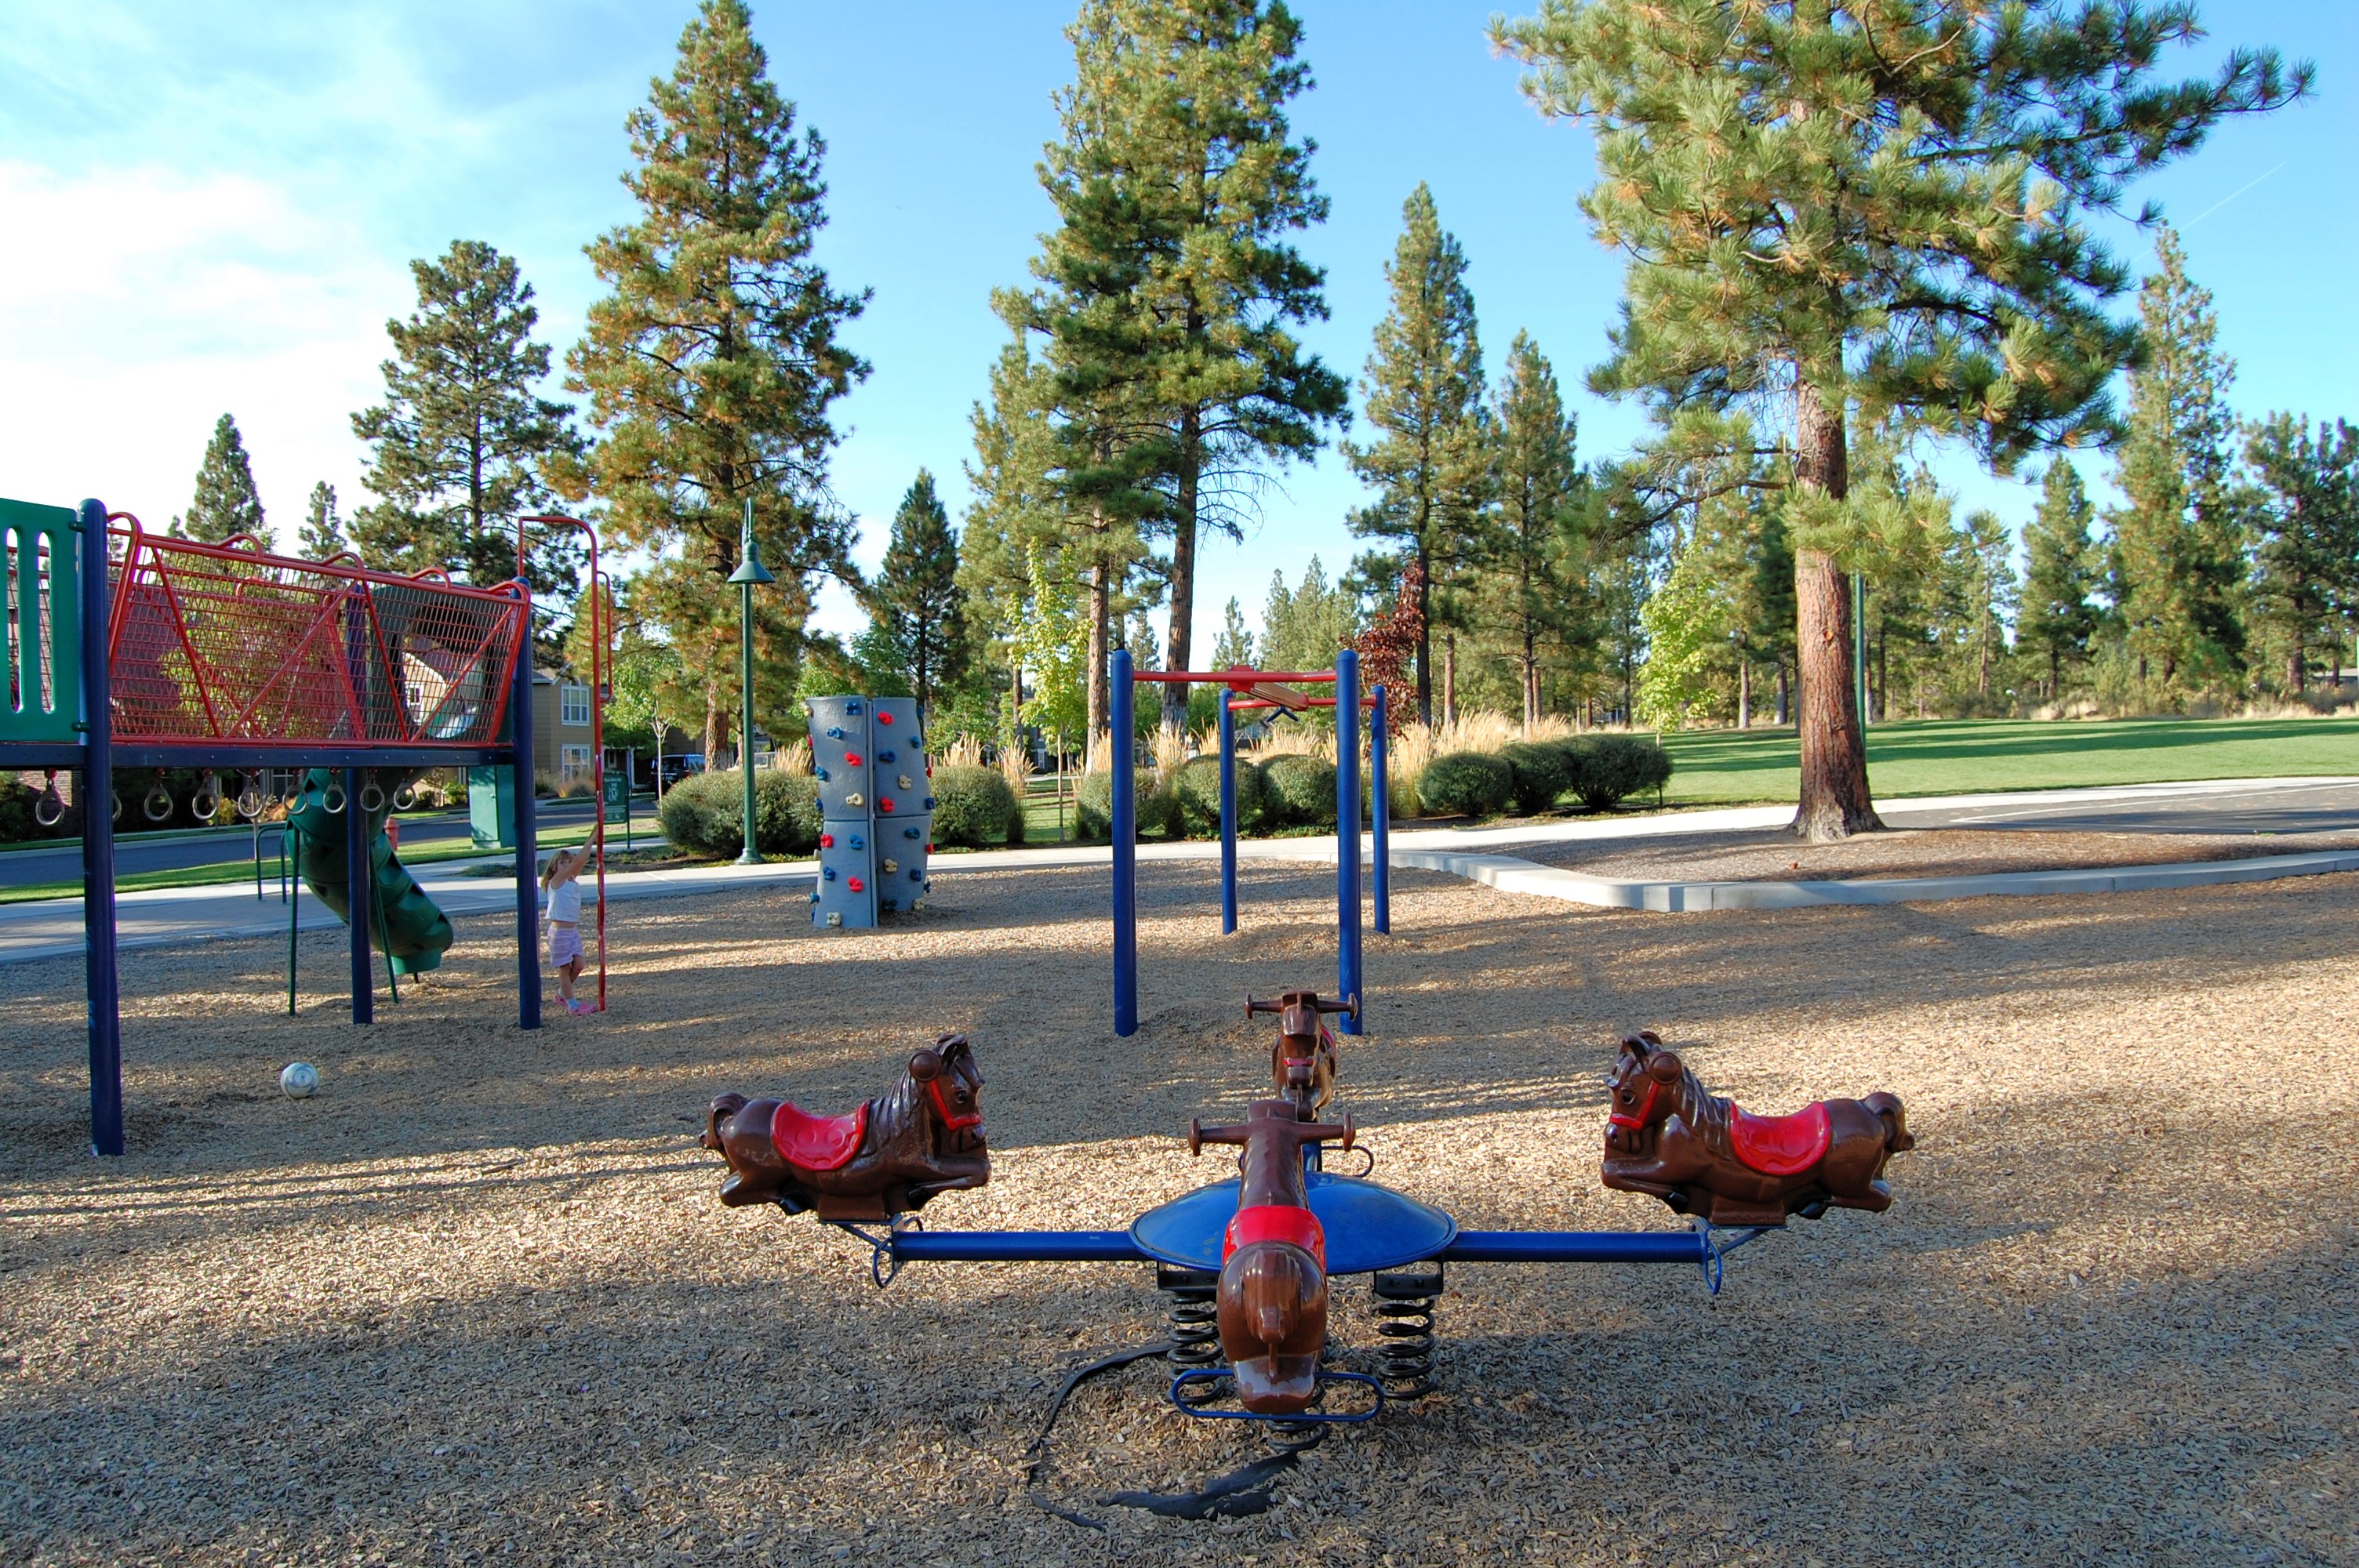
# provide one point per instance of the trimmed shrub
(705, 814)
(1298, 790)
(1542, 773)
(972, 806)
(1607, 768)
(1159, 809)
(1198, 786)
(1466, 783)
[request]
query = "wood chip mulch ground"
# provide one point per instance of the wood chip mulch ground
(476, 1302)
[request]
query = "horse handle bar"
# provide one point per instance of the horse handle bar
(1350, 1004)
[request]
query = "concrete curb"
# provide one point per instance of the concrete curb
(1511, 874)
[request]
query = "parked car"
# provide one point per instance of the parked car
(679, 766)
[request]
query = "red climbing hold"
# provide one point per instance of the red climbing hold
(885, 803)
(827, 840)
(883, 718)
(851, 758)
(856, 885)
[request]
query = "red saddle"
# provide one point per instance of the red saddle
(1779, 1145)
(818, 1143)
(1276, 1222)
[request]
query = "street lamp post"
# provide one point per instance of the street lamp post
(749, 572)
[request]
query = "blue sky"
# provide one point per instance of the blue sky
(212, 209)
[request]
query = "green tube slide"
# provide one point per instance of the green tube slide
(410, 930)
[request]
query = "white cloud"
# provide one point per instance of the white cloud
(152, 303)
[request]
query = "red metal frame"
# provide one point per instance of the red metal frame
(223, 642)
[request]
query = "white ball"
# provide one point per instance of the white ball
(301, 1080)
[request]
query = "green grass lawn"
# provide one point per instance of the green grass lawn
(1722, 767)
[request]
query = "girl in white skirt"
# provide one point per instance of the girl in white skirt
(560, 896)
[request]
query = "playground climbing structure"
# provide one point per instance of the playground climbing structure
(224, 657)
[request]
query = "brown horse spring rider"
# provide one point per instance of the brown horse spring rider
(1273, 1292)
(886, 1157)
(1667, 1136)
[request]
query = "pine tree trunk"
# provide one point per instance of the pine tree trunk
(1100, 642)
(716, 726)
(1179, 646)
(1424, 637)
(1449, 679)
(1835, 801)
(1785, 703)
(1744, 694)
(1531, 682)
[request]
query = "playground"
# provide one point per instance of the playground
(477, 1302)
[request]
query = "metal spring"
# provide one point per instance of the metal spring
(1193, 1313)
(1293, 1437)
(1405, 1341)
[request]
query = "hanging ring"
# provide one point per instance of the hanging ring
(331, 798)
(49, 808)
(118, 808)
(250, 800)
(404, 797)
(159, 804)
(372, 797)
(207, 800)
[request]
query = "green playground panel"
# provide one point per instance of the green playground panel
(42, 698)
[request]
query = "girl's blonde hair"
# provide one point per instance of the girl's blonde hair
(556, 857)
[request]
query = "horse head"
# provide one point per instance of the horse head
(1302, 1062)
(949, 1097)
(1643, 1088)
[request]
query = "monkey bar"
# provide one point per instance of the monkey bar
(1260, 689)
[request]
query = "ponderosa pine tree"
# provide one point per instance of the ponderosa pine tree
(1864, 209)
(1529, 593)
(1235, 646)
(2061, 578)
(2178, 545)
(323, 533)
(713, 367)
(461, 444)
(226, 503)
(2305, 511)
(1423, 392)
(1188, 169)
(916, 599)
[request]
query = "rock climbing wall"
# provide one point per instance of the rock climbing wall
(876, 815)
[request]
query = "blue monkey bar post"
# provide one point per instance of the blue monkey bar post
(1380, 807)
(1347, 839)
(528, 873)
(1124, 810)
(1228, 815)
(97, 796)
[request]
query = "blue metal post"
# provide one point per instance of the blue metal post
(1228, 815)
(1380, 804)
(1347, 837)
(358, 902)
(527, 872)
(1124, 807)
(98, 842)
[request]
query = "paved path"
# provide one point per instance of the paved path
(53, 926)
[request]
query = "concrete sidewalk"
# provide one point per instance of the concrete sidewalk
(53, 928)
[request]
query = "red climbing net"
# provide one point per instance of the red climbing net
(223, 642)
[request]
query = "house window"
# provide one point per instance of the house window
(572, 762)
(576, 705)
